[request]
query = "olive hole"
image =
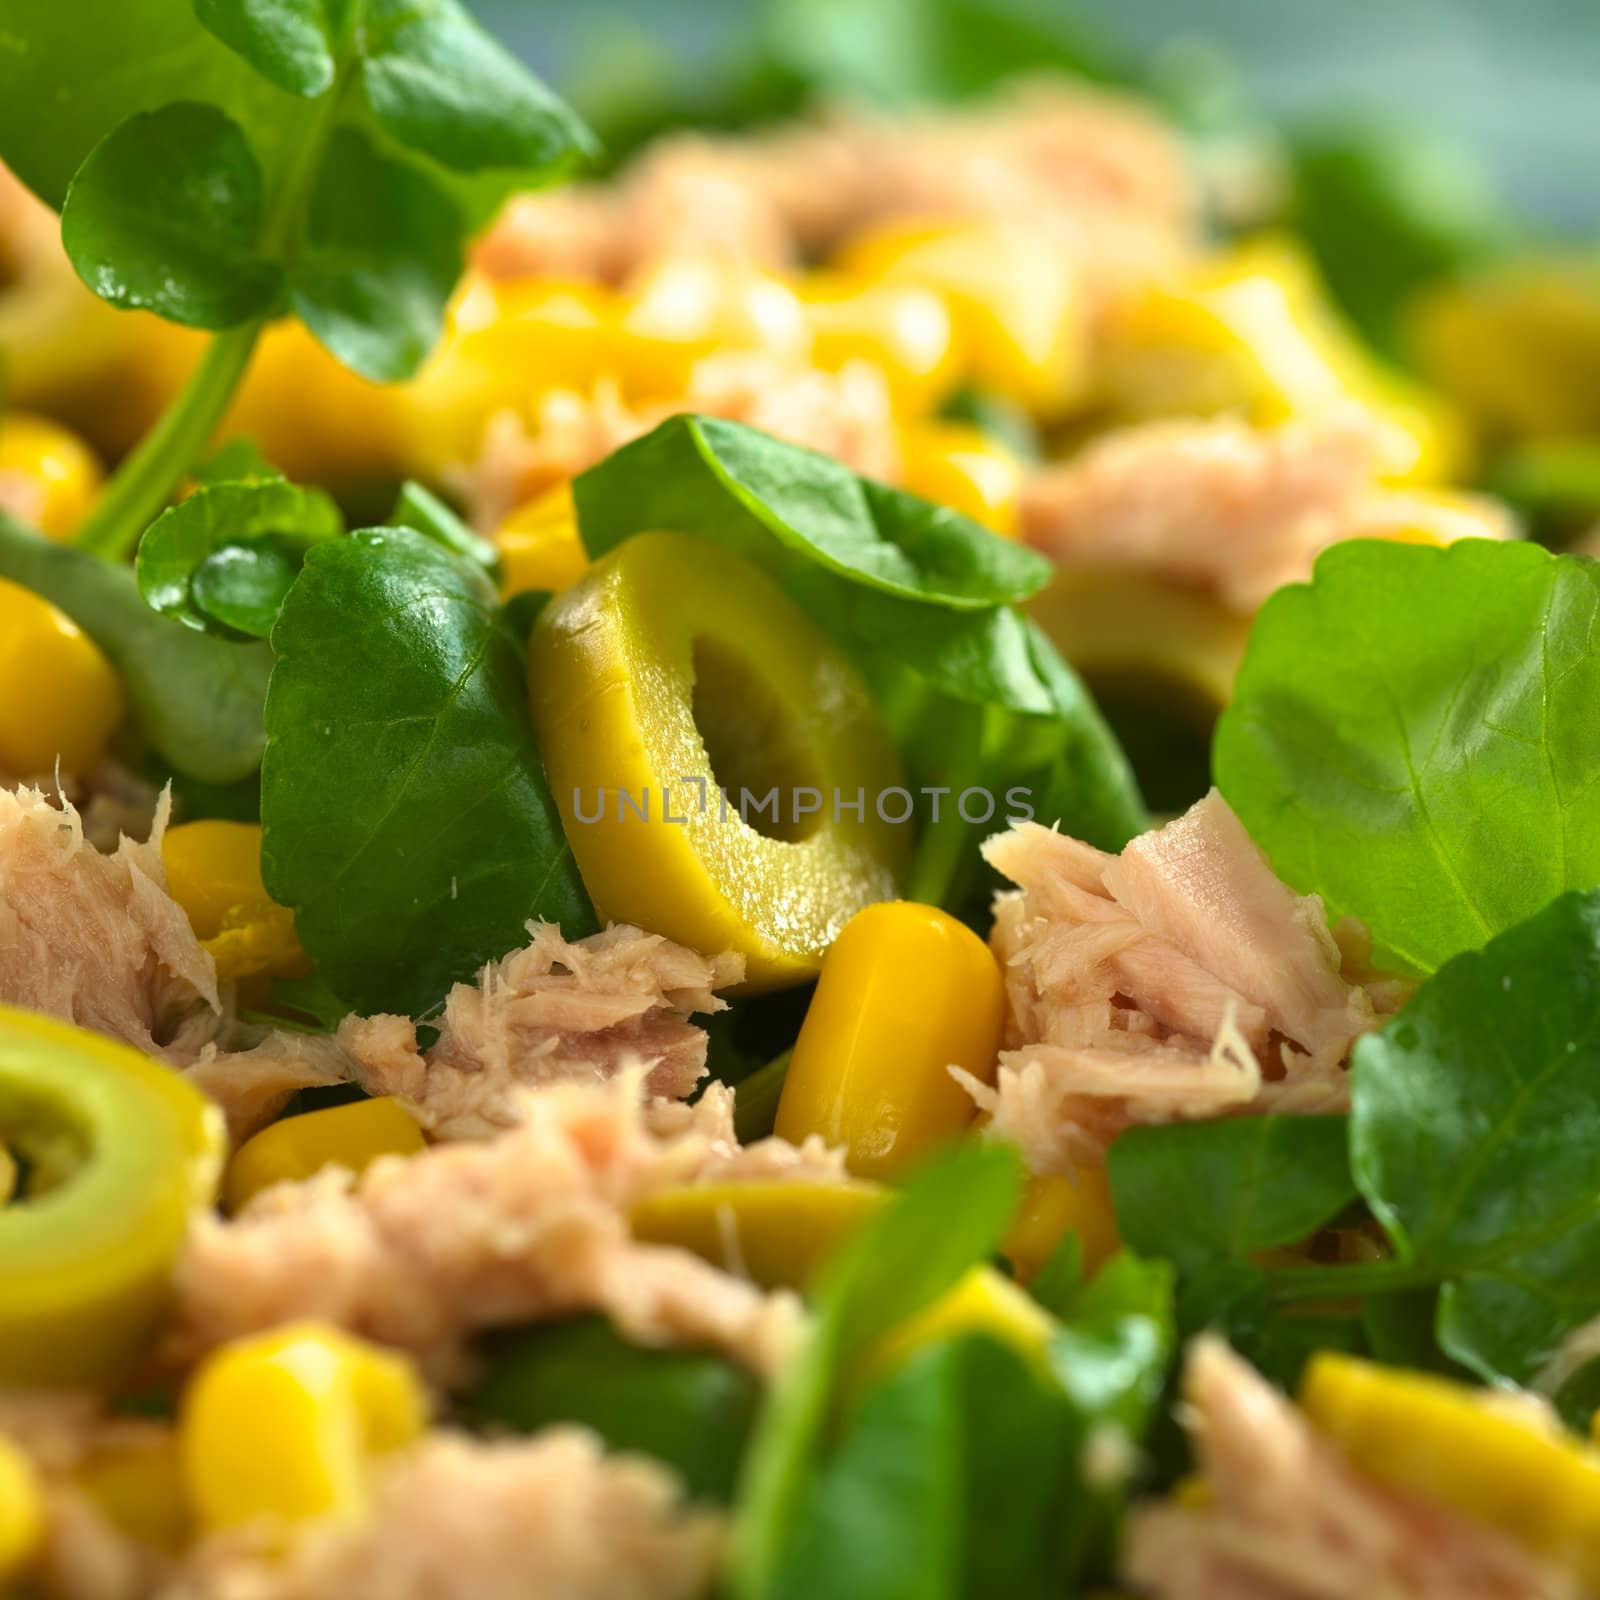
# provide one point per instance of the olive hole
(41, 1147)
(753, 745)
(1165, 725)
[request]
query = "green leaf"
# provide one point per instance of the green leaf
(1199, 1192)
(228, 546)
(238, 461)
(437, 83)
(804, 517)
(407, 818)
(165, 216)
(691, 1409)
(962, 1442)
(381, 254)
(286, 41)
(241, 587)
(950, 1215)
(1413, 738)
(1475, 1137)
(197, 700)
(423, 510)
(69, 75)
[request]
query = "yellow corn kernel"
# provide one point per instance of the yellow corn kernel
(504, 344)
(214, 873)
(902, 329)
(906, 992)
(60, 699)
(351, 1136)
(780, 1232)
(960, 466)
(1054, 1204)
(1019, 318)
(1512, 1468)
(285, 1426)
(540, 546)
(48, 475)
(21, 1511)
(139, 1488)
(1252, 331)
(776, 1232)
(688, 307)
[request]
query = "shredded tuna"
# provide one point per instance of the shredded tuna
(465, 1519)
(95, 939)
(844, 414)
(551, 1012)
(1180, 979)
(1285, 1518)
(1231, 508)
(419, 1252)
(1093, 175)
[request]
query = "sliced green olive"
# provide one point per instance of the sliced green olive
(674, 672)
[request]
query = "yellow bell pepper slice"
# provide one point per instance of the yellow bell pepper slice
(285, 1426)
(122, 1150)
(1451, 1444)
(505, 343)
(214, 873)
(960, 466)
(906, 993)
(903, 329)
(688, 307)
(48, 475)
(60, 699)
(1020, 319)
(982, 1302)
(673, 667)
(351, 1136)
(540, 546)
(21, 1512)
(1252, 331)
(1053, 1206)
(8, 1175)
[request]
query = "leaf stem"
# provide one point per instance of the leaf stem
(1287, 1285)
(144, 482)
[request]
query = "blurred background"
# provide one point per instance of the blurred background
(1507, 85)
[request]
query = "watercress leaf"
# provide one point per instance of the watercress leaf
(133, 56)
(1056, 1284)
(238, 461)
(241, 587)
(197, 700)
(950, 1215)
(286, 41)
(963, 1440)
(165, 215)
(802, 516)
(1413, 738)
(381, 254)
(420, 508)
(437, 83)
(1196, 1192)
(1475, 1137)
(406, 816)
(1110, 1359)
(692, 1409)
(193, 536)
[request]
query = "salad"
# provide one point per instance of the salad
(851, 855)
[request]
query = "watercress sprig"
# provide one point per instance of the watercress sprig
(230, 161)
